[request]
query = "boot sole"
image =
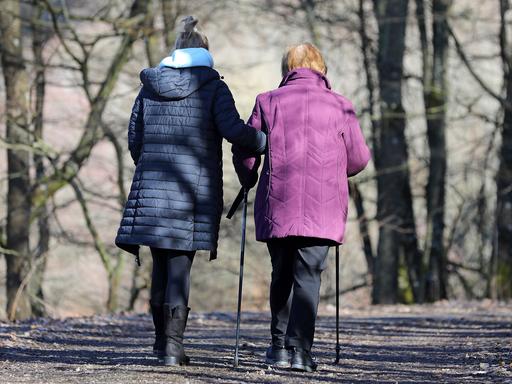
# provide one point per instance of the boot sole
(278, 363)
(176, 361)
(159, 355)
(303, 368)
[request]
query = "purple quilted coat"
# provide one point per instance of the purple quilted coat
(314, 145)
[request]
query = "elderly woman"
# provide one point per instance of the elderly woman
(175, 134)
(314, 144)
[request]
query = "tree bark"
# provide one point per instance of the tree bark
(18, 160)
(371, 82)
(151, 39)
(503, 249)
(435, 99)
(362, 219)
(114, 284)
(309, 7)
(35, 286)
(397, 232)
(141, 280)
(170, 12)
(374, 124)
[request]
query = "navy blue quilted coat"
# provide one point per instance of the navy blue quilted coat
(175, 139)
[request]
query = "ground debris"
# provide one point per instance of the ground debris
(439, 343)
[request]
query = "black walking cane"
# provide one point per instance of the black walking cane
(338, 348)
(243, 192)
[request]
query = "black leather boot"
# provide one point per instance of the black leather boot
(278, 356)
(302, 360)
(175, 324)
(158, 321)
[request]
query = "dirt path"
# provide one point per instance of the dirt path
(437, 344)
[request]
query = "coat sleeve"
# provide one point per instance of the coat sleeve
(358, 153)
(231, 127)
(246, 166)
(136, 129)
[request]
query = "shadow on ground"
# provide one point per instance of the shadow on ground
(382, 344)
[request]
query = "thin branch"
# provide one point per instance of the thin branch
(472, 71)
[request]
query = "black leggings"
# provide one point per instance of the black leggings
(170, 280)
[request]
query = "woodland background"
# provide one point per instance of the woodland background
(430, 219)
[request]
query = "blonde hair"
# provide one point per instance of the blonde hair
(304, 55)
(189, 36)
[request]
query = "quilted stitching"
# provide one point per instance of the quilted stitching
(175, 138)
(305, 190)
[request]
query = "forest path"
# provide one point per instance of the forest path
(448, 342)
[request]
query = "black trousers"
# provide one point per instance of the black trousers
(297, 263)
(170, 279)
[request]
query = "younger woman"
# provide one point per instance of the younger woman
(175, 134)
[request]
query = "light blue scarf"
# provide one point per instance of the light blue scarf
(188, 57)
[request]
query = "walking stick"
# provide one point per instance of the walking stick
(241, 276)
(338, 348)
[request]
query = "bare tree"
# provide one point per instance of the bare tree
(500, 266)
(434, 54)
(503, 251)
(18, 159)
(397, 232)
(371, 85)
(27, 201)
(62, 175)
(40, 34)
(171, 9)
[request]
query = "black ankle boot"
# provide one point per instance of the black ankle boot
(158, 321)
(302, 360)
(175, 324)
(278, 356)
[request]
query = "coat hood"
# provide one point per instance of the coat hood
(176, 83)
(188, 57)
(305, 75)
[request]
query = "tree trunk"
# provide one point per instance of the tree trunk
(435, 97)
(141, 280)
(309, 8)
(151, 39)
(374, 124)
(503, 251)
(35, 287)
(371, 82)
(362, 219)
(18, 160)
(394, 206)
(170, 12)
(114, 284)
